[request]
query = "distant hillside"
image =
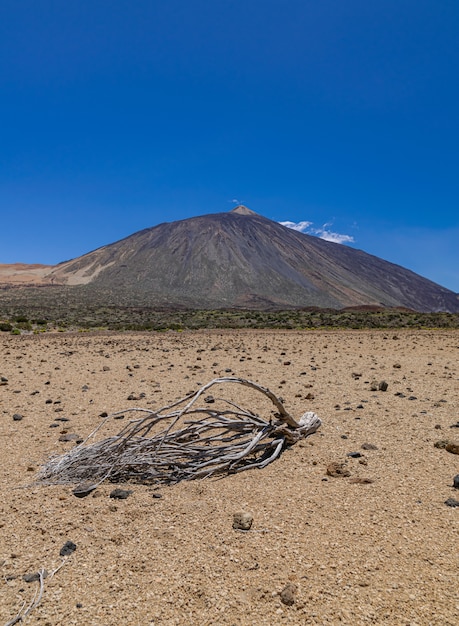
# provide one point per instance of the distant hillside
(240, 259)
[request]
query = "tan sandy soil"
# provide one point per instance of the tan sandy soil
(385, 552)
(23, 273)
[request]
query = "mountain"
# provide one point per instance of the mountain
(242, 259)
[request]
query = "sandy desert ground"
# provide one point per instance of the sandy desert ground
(356, 552)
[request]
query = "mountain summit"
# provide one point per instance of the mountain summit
(243, 210)
(242, 259)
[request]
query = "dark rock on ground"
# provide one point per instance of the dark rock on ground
(83, 489)
(31, 578)
(120, 494)
(68, 548)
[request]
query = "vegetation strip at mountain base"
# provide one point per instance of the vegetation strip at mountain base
(19, 318)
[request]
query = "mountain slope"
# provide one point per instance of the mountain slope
(241, 259)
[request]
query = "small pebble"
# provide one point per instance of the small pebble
(452, 502)
(287, 595)
(68, 548)
(17, 417)
(242, 520)
(83, 489)
(368, 446)
(120, 494)
(31, 578)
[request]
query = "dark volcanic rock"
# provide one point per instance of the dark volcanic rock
(68, 548)
(120, 494)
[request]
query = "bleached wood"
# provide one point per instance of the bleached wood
(196, 442)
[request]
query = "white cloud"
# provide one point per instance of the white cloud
(322, 233)
(328, 235)
(302, 227)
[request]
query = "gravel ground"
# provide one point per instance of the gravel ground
(376, 546)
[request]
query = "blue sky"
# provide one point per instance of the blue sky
(117, 115)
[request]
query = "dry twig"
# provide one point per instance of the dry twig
(182, 441)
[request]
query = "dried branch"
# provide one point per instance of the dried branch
(34, 602)
(186, 443)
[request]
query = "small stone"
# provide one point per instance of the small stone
(369, 446)
(31, 578)
(441, 443)
(354, 455)
(209, 399)
(68, 548)
(70, 437)
(120, 494)
(242, 520)
(453, 447)
(103, 414)
(452, 502)
(287, 595)
(456, 482)
(17, 417)
(157, 495)
(383, 386)
(337, 469)
(83, 489)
